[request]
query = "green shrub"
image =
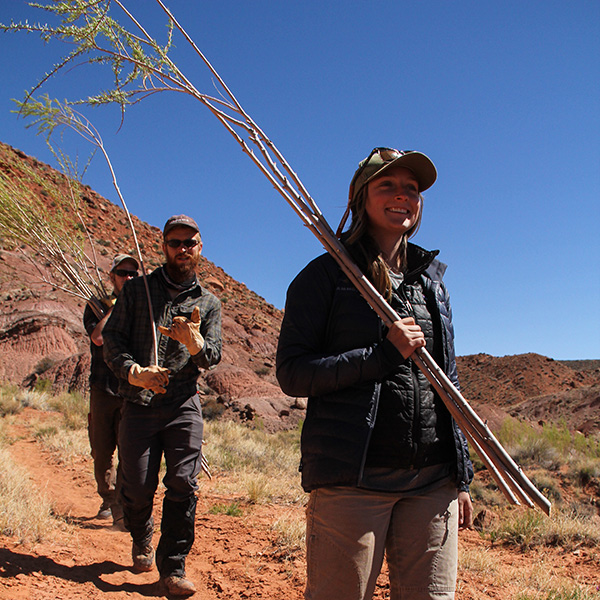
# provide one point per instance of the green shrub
(232, 510)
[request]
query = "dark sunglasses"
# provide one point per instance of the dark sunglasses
(125, 273)
(175, 243)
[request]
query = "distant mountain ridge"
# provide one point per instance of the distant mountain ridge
(42, 335)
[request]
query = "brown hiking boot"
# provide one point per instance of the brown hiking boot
(178, 586)
(143, 557)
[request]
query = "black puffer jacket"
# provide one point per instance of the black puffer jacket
(332, 348)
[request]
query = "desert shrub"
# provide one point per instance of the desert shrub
(546, 484)
(43, 365)
(587, 445)
(291, 535)
(477, 561)
(263, 464)
(585, 470)
(232, 510)
(486, 494)
(9, 405)
(257, 487)
(212, 408)
(565, 593)
(42, 385)
(536, 451)
(24, 511)
(24, 398)
(548, 447)
(65, 444)
(530, 528)
(73, 407)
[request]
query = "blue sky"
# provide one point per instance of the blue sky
(503, 96)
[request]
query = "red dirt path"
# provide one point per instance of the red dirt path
(232, 558)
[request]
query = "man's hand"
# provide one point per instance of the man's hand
(150, 378)
(186, 331)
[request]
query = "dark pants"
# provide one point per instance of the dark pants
(146, 433)
(103, 430)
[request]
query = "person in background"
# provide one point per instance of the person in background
(105, 402)
(161, 412)
(387, 468)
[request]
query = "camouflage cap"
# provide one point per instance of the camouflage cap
(382, 159)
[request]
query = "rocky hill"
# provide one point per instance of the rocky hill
(41, 331)
(42, 337)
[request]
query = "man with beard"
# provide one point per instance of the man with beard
(161, 412)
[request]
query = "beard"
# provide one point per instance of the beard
(182, 271)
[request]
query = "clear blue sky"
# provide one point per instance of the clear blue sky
(503, 96)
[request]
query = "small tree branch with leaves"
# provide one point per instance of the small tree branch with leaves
(56, 234)
(141, 67)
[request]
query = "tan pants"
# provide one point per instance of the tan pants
(348, 531)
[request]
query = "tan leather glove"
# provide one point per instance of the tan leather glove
(186, 331)
(152, 378)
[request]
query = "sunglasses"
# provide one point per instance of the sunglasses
(175, 243)
(125, 273)
(386, 155)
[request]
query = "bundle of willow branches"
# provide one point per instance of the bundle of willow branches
(141, 66)
(57, 235)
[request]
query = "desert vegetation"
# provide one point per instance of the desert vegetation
(252, 467)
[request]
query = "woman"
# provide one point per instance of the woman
(387, 468)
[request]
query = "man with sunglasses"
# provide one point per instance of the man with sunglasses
(105, 402)
(161, 414)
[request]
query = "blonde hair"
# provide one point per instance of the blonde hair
(366, 250)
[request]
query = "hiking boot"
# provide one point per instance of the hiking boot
(119, 525)
(104, 512)
(178, 586)
(143, 557)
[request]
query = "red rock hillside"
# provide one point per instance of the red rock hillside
(42, 336)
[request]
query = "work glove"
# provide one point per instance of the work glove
(109, 301)
(186, 331)
(152, 378)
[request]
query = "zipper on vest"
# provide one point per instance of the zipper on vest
(415, 383)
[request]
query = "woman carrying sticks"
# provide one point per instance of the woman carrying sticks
(386, 466)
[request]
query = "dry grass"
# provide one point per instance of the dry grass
(291, 534)
(260, 466)
(252, 465)
(66, 445)
(478, 561)
(25, 512)
(566, 528)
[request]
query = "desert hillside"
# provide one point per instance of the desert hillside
(41, 331)
(250, 518)
(42, 337)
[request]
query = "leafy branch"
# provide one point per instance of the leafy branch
(54, 234)
(48, 116)
(141, 67)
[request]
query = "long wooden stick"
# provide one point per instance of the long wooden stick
(158, 72)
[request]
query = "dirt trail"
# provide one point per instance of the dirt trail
(233, 557)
